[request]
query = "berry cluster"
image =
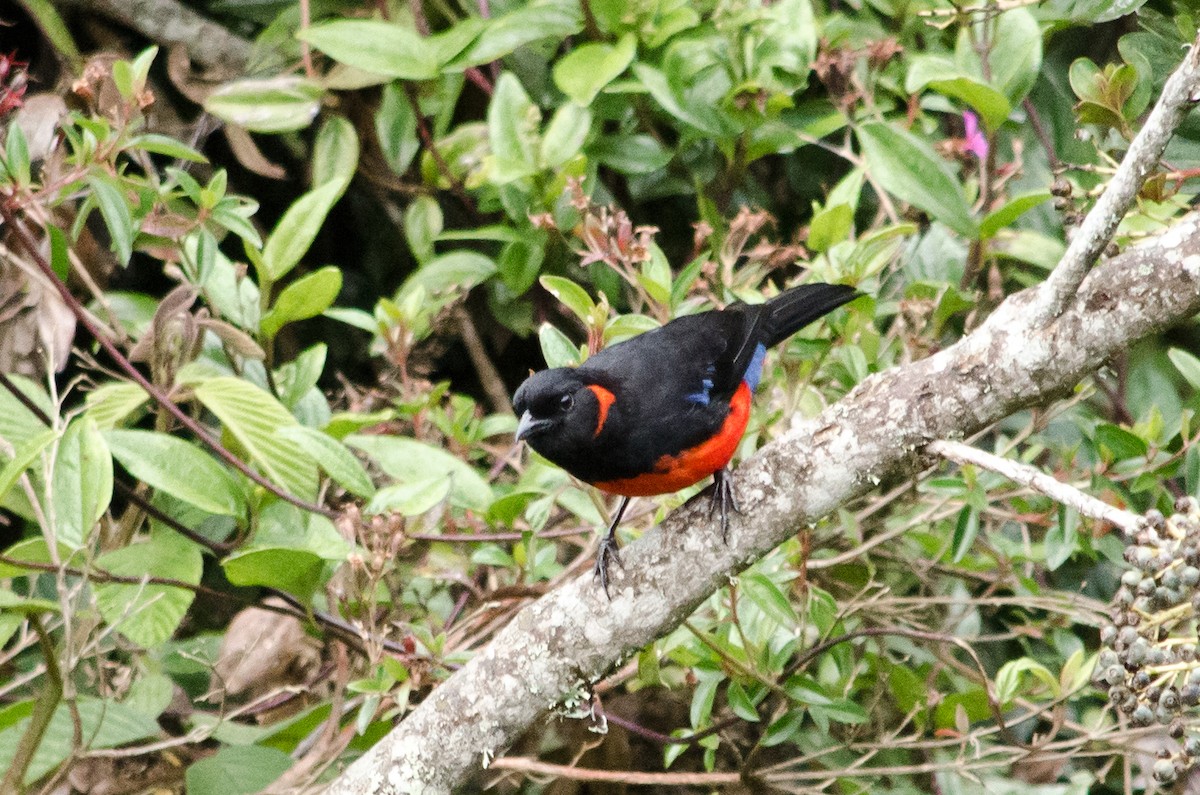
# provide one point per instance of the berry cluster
(1150, 664)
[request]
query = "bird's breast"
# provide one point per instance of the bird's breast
(682, 469)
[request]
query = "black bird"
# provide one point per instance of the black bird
(667, 408)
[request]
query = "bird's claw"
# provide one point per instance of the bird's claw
(608, 550)
(723, 499)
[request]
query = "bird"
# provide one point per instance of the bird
(665, 409)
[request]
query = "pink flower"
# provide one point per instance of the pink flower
(974, 141)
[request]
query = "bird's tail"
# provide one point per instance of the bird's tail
(794, 309)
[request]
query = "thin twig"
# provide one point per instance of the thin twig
(1060, 492)
(524, 764)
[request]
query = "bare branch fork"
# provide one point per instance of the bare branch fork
(1035, 347)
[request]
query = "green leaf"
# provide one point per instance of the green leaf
(512, 121)
(82, 482)
(1119, 442)
(266, 105)
(18, 423)
(740, 704)
(297, 229)
(16, 154)
(965, 531)
(571, 295)
(1016, 53)
(167, 146)
(103, 724)
(830, 226)
(1187, 365)
(1009, 678)
(236, 770)
(409, 499)
(333, 457)
(557, 349)
(767, 596)
(149, 614)
(31, 550)
(396, 129)
(24, 455)
(306, 297)
(564, 137)
(297, 571)
(110, 404)
(254, 418)
(1062, 539)
(582, 73)
(660, 88)
(115, 212)
(454, 272)
(335, 152)
(541, 19)
(1005, 216)
(423, 222)
(906, 167)
(630, 154)
(383, 48)
(179, 468)
(410, 461)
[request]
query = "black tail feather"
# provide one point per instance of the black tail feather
(796, 308)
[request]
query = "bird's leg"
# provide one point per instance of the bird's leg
(608, 549)
(723, 499)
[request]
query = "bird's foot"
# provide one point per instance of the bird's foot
(724, 500)
(608, 551)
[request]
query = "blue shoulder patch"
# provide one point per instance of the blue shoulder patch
(754, 371)
(701, 397)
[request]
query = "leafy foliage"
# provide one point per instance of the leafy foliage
(570, 174)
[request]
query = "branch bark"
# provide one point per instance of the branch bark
(1035, 347)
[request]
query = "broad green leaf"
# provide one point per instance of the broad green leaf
(335, 152)
(179, 468)
(660, 88)
(769, 598)
(410, 461)
(374, 45)
(409, 499)
(396, 129)
(541, 19)
(111, 403)
(830, 226)
(12, 602)
(306, 297)
(103, 724)
(564, 137)
(582, 73)
(513, 122)
(557, 349)
(965, 531)
(149, 614)
(630, 154)
(266, 105)
(115, 211)
(1009, 678)
(31, 550)
(297, 571)
(455, 272)
(24, 455)
(82, 481)
(236, 770)
(1016, 53)
(571, 295)
(16, 154)
(1187, 365)
(1120, 442)
(254, 418)
(423, 222)
(1062, 538)
(908, 168)
(167, 146)
(18, 423)
(333, 457)
(1010, 212)
(297, 229)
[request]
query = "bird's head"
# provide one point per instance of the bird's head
(560, 412)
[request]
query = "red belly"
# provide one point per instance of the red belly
(674, 472)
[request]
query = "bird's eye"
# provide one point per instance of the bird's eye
(566, 402)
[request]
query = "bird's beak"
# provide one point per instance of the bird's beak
(528, 425)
